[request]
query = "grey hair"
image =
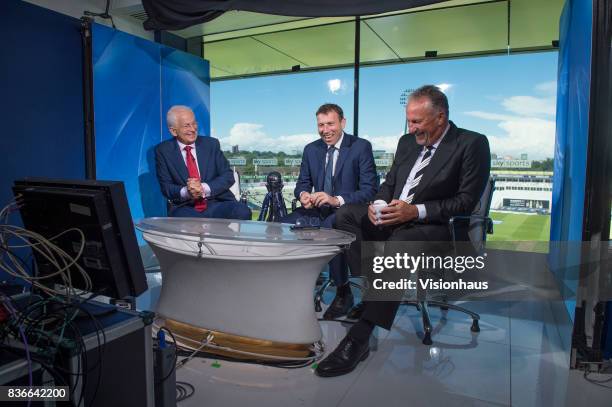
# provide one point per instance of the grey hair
(171, 115)
(434, 94)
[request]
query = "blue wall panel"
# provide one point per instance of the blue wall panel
(574, 77)
(135, 82)
(127, 115)
(186, 81)
(41, 86)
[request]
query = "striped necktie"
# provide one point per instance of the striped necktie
(419, 174)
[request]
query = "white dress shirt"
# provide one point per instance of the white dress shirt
(336, 154)
(184, 192)
(413, 171)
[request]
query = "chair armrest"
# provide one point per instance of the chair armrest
(486, 219)
(487, 230)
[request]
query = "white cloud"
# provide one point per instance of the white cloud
(251, 136)
(386, 143)
(334, 85)
(533, 136)
(530, 105)
(444, 86)
(527, 124)
(519, 134)
(489, 116)
(547, 87)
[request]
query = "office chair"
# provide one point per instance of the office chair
(235, 189)
(480, 224)
(325, 281)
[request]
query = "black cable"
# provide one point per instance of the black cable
(597, 382)
(184, 393)
(163, 328)
(101, 345)
(104, 15)
(279, 364)
(60, 315)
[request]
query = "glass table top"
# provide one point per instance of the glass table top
(243, 230)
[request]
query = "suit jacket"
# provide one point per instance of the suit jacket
(454, 179)
(214, 169)
(355, 174)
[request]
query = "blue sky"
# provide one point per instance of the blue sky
(509, 98)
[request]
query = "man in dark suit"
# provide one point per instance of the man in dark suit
(439, 171)
(338, 169)
(193, 173)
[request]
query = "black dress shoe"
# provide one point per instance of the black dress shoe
(344, 359)
(356, 311)
(339, 306)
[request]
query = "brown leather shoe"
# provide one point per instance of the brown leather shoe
(344, 359)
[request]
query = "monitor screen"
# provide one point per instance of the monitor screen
(99, 209)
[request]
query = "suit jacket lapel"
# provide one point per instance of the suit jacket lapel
(404, 171)
(179, 162)
(444, 152)
(320, 158)
(202, 157)
(342, 153)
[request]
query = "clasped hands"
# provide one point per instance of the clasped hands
(318, 199)
(194, 186)
(395, 213)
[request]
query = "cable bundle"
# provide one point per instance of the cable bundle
(41, 328)
(14, 237)
(45, 327)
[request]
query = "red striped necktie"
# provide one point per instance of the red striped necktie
(192, 168)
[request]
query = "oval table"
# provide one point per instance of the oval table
(248, 283)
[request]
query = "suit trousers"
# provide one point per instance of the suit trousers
(216, 209)
(354, 219)
(338, 271)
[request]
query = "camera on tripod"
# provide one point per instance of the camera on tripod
(273, 207)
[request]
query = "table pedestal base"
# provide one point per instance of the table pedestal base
(192, 337)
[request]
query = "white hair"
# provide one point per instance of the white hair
(171, 115)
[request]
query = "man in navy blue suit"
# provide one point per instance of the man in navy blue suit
(193, 173)
(337, 169)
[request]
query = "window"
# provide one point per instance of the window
(263, 123)
(510, 98)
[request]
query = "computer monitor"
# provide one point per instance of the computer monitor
(111, 256)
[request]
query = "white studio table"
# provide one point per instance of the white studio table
(244, 278)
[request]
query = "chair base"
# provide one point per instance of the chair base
(423, 307)
(325, 286)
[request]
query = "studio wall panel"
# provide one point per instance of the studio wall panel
(42, 92)
(135, 82)
(185, 80)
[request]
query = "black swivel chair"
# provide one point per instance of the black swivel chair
(480, 224)
(324, 282)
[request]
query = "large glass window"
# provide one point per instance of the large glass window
(510, 98)
(263, 123)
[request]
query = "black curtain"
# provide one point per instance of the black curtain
(179, 14)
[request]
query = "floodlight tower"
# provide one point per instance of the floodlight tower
(404, 101)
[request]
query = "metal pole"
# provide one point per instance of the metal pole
(356, 77)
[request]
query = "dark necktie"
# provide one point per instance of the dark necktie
(329, 168)
(419, 174)
(192, 169)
